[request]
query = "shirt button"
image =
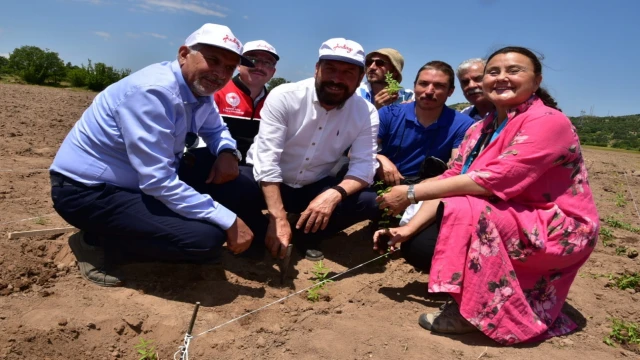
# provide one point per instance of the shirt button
(320, 128)
(313, 144)
(307, 159)
(300, 172)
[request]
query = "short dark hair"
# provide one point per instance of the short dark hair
(440, 66)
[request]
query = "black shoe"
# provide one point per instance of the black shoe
(91, 262)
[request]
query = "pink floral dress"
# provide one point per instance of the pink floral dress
(509, 260)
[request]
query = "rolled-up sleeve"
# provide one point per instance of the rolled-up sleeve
(362, 158)
(270, 140)
(215, 133)
(144, 117)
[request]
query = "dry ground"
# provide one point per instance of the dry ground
(48, 312)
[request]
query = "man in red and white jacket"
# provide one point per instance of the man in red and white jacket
(240, 101)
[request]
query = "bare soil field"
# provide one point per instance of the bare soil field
(47, 311)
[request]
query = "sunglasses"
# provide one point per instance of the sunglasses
(190, 142)
(265, 63)
(378, 62)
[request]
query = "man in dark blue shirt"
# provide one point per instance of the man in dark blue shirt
(409, 133)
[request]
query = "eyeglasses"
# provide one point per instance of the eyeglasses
(378, 62)
(265, 63)
(190, 142)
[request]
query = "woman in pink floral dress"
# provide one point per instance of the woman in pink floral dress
(517, 218)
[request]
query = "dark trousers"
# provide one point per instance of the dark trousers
(138, 225)
(418, 251)
(354, 209)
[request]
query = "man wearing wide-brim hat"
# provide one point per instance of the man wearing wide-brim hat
(377, 64)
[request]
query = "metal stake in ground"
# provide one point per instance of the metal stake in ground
(184, 349)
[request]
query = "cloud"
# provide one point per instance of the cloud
(102, 34)
(4, 55)
(158, 36)
(245, 17)
(197, 7)
(132, 35)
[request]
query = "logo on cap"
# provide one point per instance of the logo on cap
(264, 46)
(233, 99)
(343, 46)
(233, 40)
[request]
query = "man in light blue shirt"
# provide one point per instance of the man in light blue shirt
(377, 64)
(122, 178)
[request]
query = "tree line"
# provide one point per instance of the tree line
(44, 67)
(609, 131)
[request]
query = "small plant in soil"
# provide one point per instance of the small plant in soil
(607, 236)
(320, 280)
(146, 349)
(624, 333)
(620, 200)
(615, 223)
(621, 250)
(626, 281)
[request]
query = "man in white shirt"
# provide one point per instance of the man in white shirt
(305, 128)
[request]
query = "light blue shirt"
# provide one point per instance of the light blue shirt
(133, 136)
(365, 92)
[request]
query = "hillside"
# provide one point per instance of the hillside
(609, 131)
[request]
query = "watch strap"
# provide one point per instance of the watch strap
(341, 190)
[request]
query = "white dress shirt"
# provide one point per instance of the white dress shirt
(299, 142)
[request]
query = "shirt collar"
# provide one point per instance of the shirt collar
(185, 91)
(410, 114)
(492, 125)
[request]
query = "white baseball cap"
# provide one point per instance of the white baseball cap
(342, 50)
(262, 46)
(218, 36)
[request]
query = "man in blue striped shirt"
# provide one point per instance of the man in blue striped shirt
(121, 176)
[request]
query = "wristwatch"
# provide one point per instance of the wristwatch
(411, 194)
(234, 152)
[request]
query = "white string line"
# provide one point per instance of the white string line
(184, 349)
(32, 218)
(295, 293)
(631, 193)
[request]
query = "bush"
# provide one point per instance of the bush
(77, 77)
(35, 66)
(99, 76)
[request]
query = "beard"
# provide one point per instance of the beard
(198, 87)
(329, 98)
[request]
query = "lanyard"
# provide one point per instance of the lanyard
(481, 144)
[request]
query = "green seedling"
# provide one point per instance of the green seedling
(392, 85)
(320, 280)
(607, 236)
(626, 281)
(146, 349)
(623, 333)
(615, 223)
(620, 200)
(621, 250)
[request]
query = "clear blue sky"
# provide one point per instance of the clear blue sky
(591, 48)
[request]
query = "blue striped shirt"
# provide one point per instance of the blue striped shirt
(133, 136)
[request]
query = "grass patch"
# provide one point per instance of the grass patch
(615, 223)
(592, 147)
(626, 281)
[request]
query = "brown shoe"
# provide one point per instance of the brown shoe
(91, 261)
(447, 321)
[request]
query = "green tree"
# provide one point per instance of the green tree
(35, 66)
(4, 65)
(99, 76)
(275, 82)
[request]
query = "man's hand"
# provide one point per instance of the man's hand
(224, 169)
(239, 236)
(317, 214)
(278, 236)
(383, 98)
(388, 172)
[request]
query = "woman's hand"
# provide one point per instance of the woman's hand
(390, 238)
(395, 200)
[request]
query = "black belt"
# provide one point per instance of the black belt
(60, 180)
